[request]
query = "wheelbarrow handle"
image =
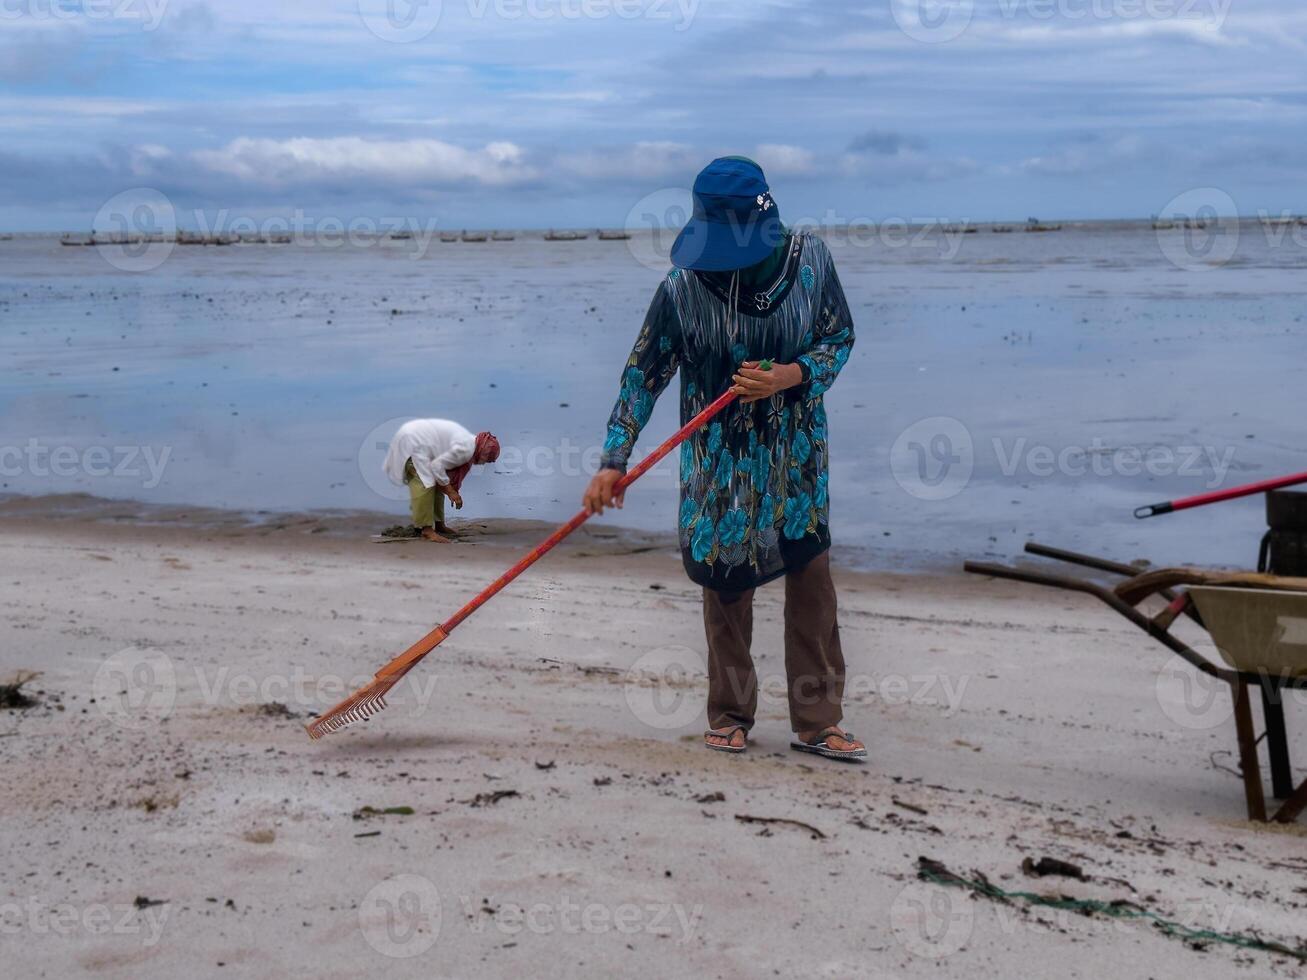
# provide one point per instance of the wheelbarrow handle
(1216, 496)
(1153, 510)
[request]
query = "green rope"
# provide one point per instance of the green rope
(937, 874)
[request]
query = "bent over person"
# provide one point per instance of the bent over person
(433, 456)
(751, 307)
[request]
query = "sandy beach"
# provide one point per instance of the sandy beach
(553, 811)
(908, 286)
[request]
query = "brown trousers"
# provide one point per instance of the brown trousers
(814, 662)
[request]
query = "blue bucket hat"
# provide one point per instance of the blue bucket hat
(736, 223)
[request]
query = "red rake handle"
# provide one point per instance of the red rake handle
(434, 638)
(1216, 496)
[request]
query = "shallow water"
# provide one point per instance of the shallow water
(1003, 386)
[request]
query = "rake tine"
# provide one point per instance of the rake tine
(363, 703)
(360, 705)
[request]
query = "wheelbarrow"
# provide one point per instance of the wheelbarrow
(1258, 623)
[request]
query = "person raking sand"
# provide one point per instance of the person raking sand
(759, 309)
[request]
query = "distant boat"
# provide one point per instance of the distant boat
(614, 236)
(191, 238)
(1002, 229)
(6, 238)
(562, 236)
(1163, 225)
(112, 240)
(1033, 224)
(500, 237)
(449, 238)
(474, 238)
(401, 236)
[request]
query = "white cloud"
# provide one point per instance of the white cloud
(642, 161)
(146, 158)
(1088, 156)
(904, 165)
(594, 96)
(782, 160)
(417, 161)
(75, 105)
(1201, 31)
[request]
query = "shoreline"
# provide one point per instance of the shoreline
(598, 536)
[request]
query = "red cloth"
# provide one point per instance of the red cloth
(487, 451)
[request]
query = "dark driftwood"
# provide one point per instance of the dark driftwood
(12, 696)
(816, 834)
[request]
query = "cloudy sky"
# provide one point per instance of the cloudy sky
(531, 113)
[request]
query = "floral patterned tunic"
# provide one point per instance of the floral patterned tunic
(754, 482)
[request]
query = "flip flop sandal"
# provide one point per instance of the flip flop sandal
(820, 746)
(728, 734)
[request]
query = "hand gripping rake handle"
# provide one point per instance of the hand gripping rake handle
(1216, 496)
(371, 698)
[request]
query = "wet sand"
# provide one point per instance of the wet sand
(565, 820)
(1001, 386)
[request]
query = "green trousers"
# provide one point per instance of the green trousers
(427, 504)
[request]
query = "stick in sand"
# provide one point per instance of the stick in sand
(371, 698)
(1216, 496)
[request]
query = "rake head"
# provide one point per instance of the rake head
(371, 697)
(363, 703)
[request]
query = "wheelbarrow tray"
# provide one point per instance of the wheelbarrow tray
(1256, 630)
